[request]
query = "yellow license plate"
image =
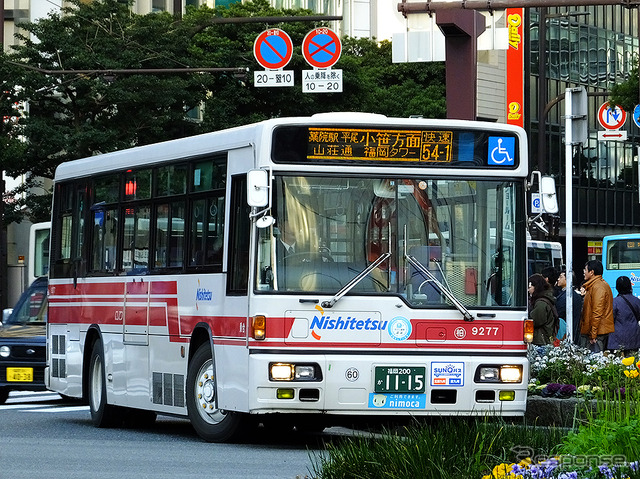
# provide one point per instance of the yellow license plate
(21, 375)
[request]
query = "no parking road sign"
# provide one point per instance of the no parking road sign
(321, 48)
(273, 50)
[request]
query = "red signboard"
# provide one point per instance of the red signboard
(515, 67)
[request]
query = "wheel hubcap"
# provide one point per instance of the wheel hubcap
(205, 389)
(96, 384)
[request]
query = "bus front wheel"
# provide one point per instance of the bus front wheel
(211, 424)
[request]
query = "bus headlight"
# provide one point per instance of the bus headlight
(281, 372)
(294, 372)
(305, 373)
(490, 373)
(510, 374)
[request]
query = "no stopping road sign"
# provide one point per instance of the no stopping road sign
(321, 48)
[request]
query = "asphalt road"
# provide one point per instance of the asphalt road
(43, 436)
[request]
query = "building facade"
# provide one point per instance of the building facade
(594, 47)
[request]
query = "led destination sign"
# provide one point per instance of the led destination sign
(380, 145)
(415, 146)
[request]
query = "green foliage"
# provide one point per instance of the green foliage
(73, 115)
(625, 94)
(79, 114)
(604, 438)
(445, 448)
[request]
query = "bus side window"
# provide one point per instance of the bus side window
(135, 250)
(105, 239)
(69, 212)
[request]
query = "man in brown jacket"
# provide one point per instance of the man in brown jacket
(596, 321)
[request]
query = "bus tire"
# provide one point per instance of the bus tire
(211, 424)
(4, 394)
(102, 414)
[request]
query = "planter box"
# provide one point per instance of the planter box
(557, 412)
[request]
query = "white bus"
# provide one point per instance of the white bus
(320, 268)
(542, 254)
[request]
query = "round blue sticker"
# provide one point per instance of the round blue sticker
(399, 328)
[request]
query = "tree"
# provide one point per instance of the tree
(11, 140)
(74, 115)
(625, 94)
(372, 83)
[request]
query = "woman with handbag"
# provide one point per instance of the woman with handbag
(626, 315)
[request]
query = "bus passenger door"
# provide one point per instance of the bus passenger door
(136, 312)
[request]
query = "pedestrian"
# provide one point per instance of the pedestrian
(596, 321)
(542, 310)
(551, 274)
(561, 304)
(626, 314)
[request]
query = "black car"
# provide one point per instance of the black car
(23, 342)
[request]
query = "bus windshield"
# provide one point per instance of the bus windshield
(424, 236)
(623, 254)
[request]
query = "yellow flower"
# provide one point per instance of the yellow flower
(638, 364)
(634, 373)
(525, 462)
(503, 471)
(628, 361)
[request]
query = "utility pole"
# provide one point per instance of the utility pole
(3, 231)
(4, 297)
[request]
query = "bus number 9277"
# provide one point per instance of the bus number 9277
(316, 268)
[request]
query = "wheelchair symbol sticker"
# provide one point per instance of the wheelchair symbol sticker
(502, 150)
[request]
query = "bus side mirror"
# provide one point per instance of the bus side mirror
(257, 188)
(5, 315)
(548, 193)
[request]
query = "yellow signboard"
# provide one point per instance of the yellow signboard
(380, 145)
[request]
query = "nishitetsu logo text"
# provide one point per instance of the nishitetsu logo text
(203, 294)
(347, 323)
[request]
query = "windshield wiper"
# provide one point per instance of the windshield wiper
(441, 287)
(351, 284)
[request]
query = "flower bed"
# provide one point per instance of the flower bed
(603, 394)
(557, 469)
